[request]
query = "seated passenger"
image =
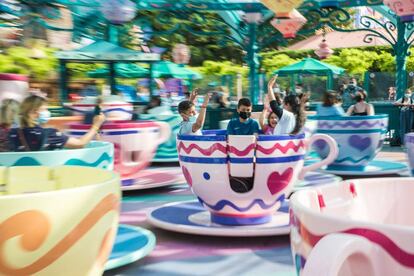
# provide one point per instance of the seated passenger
(361, 108)
(9, 118)
(192, 123)
(31, 136)
(243, 125)
(267, 128)
(331, 105)
(292, 116)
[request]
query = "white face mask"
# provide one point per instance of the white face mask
(193, 118)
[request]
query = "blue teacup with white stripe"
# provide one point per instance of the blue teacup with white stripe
(359, 139)
(243, 180)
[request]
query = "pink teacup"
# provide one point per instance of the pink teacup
(241, 181)
(358, 227)
(135, 143)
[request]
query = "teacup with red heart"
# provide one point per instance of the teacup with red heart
(243, 180)
(359, 139)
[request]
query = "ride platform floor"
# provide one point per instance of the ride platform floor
(183, 254)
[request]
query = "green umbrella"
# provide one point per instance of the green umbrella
(122, 70)
(310, 66)
(168, 69)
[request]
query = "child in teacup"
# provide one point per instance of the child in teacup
(192, 123)
(291, 117)
(243, 125)
(269, 126)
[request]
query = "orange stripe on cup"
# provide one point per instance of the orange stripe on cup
(33, 238)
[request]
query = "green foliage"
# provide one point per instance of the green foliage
(80, 70)
(272, 63)
(222, 68)
(19, 60)
(355, 61)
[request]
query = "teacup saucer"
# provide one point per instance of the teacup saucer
(375, 167)
(316, 179)
(190, 217)
(154, 178)
(131, 244)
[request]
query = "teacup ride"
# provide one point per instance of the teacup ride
(345, 229)
(114, 107)
(241, 183)
(35, 172)
(59, 220)
(167, 151)
(135, 145)
(360, 139)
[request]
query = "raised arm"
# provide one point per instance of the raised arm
(193, 95)
(271, 96)
(264, 114)
(202, 115)
(76, 143)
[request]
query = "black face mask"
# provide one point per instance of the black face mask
(245, 115)
(358, 98)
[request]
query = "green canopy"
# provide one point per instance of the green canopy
(310, 66)
(168, 69)
(122, 70)
(106, 51)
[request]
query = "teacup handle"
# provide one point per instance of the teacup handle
(165, 132)
(333, 153)
(331, 252)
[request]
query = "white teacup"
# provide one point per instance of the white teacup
(358, 227)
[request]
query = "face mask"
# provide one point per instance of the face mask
(408, 95)
(245, 115)
(193, 119)
(44, 117)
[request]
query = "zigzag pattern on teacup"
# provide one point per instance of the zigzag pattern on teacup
(394, 250)
(351, 124)
(352, 160)
(32, 240)
(226, 203)
(219, 147)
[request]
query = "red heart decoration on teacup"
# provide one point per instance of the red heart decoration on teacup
(187, 176)
(277, 182)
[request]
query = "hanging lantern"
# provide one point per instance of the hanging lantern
(118, 11)
(281, 7)
(403, 8)
(181, 54)
(290, 25)
(323, 51)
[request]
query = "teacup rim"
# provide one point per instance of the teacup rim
(347, 118)
(224, 137)
(104, 144)
(295, 204)
(114, 177)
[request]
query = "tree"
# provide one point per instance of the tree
(355, 61)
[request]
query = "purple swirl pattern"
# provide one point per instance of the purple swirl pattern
(351, 124)
(223, 203)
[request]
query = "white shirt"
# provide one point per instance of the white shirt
(186, 128)
(286, 123)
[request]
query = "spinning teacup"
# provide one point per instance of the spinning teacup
(359, 139)
(95, 154)
(57, 221)
(135, 143)
(358, 227)
(241, 181)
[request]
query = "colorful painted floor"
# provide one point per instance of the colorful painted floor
(181, 254)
